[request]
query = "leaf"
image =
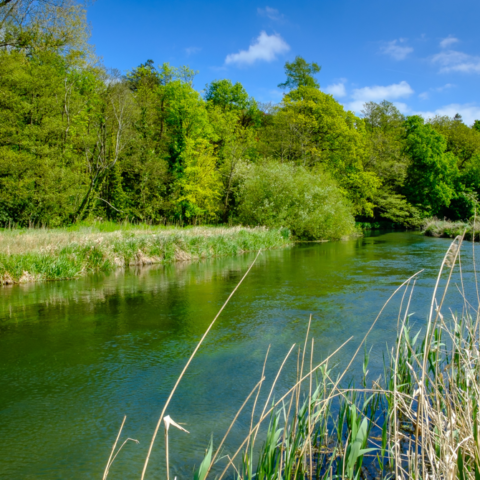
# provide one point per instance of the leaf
(202, 471)
(460, 465)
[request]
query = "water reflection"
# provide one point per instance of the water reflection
(76, 356)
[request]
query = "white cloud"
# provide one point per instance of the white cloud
(449, 41)
(445, 87)
(396, 50)
(192, 50)
(271, 13)
(337, 90)
(426, 95)
(377, 93)
(266, 48)
(469, 112)
(454, 61)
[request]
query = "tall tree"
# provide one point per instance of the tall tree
(300, 74)
(105, 131)
(432, 173)
(39, 25)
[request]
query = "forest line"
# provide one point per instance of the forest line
(78, 141)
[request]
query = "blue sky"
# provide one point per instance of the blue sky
(422, 55)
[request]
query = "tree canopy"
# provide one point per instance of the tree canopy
(300, 74)
(80, 141)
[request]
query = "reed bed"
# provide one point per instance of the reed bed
(40, 254)
(419, 420)
(433, 227)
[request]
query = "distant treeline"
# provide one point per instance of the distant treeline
(79, 141)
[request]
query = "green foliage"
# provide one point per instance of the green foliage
(432, 172)
(462, 141)
(80, 250)
(308, 203)
(80, 142)
(300, 74)
(311, 128)
(201, 473)
(395, 207)
(145, 75)
(224, 94)
(384, 126)
(40, 163)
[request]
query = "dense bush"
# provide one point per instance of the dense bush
(308, 202)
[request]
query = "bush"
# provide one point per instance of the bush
(307, 202)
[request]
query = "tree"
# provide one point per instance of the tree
(145, 75)
(432, 172)
(200, 185)
(300, 74)
(462, 141)
(235, 143)
(384, 125)
(226, 95)
(39, 25)
(311, 128)
(42, 171)
(233, 97)
(307, 202)
(105, 130)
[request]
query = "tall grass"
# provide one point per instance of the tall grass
(40, 254)
(419, 420)
(433, 227)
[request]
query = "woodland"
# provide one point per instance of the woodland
(80, 141)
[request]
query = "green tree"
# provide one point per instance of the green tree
(384, 125)
(462, 141)
(104, 130)
(226, 95)
(300, 74)
(34, 26)
(311, 128)
(306, 202)
(235, 143)
(145, 75)
(432, 173)
(42, 167)
(233, 97)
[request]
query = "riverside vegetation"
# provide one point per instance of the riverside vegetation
(38, 254)
(434, 227)
(81, 142)
(419, 420)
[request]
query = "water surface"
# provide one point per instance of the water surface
(77, 356)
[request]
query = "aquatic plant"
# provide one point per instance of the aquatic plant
(420, 420)
(42, 254)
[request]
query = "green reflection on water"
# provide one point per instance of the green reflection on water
(76, 356)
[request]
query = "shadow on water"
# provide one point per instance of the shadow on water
(76, 356)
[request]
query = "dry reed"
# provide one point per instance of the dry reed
(421, 420)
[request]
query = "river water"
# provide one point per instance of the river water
(76, 356)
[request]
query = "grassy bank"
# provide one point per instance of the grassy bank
(447, 229)
(41, 254)
(418, 420)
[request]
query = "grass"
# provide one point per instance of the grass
(433, 227)
(54, 254)
(419, 420)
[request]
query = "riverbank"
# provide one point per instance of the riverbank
(31, 255)
(448, 229)
(417, 420)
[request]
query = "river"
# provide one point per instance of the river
(76, 356)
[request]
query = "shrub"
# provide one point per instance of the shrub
(307, 202)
